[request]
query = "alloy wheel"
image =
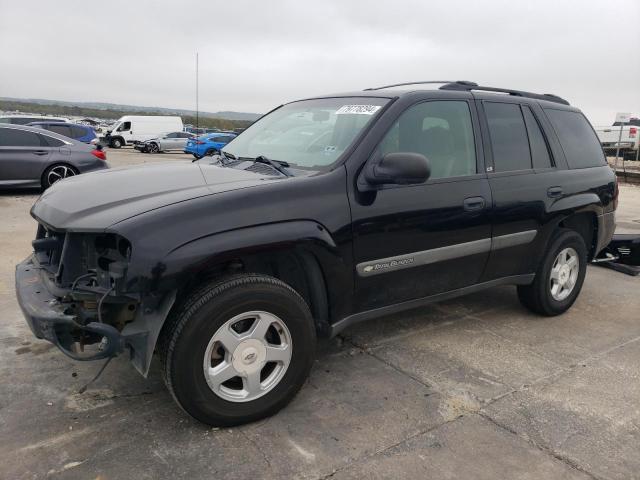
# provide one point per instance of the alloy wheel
(247, 356)
(58, 173)
(564, 274)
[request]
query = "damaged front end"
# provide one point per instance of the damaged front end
(73, 292)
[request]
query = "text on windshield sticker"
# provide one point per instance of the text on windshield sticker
(358, 109)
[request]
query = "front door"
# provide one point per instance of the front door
(415, 241)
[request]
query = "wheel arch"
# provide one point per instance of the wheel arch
(55, 164)
(300, 253)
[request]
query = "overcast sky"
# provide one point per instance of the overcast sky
(257, 54)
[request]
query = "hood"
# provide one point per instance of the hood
(95, 201)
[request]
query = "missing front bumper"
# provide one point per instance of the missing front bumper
(50, 320)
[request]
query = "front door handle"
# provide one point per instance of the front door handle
(554, 192)
(41, 152)
(473, 203)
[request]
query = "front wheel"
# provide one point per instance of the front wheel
(559, 277)
(153, 148)
(115, 143)
(238, 350)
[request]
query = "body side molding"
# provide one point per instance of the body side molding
(426, 257)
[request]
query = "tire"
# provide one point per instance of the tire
(153, 148)
(115, 143)
(196, 156)
(539, 297)
(56, 172)
(188, 346)
(211, 152)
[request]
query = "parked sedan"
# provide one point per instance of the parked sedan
(209, 144)
(165, 142)
(33, 157)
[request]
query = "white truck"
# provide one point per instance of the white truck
(132, 129)
(611, 139)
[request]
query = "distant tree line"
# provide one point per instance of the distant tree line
(111, 114)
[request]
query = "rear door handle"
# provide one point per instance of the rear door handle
(41, 152)
(473, 203)
(554, 192)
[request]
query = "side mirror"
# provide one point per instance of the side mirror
(402, 168)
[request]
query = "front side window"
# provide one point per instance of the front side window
(307, 134)
(509, 140)
(441, 131)
(11, 137)
(579, 142)
(124, 127)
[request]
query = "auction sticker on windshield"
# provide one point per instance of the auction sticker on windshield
(358, 109)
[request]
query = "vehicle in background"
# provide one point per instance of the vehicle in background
(165, 143)
(26, 119)
(82, 133)
(628, 142)
(132, 129)
(209, 144)
(33, 157)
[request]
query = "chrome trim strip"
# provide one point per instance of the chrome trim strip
(425, 257)
(513, 239)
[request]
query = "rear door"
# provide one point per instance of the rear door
(522, 172)
(23, 155)
(414, 241)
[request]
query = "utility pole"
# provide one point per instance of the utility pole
(197, 106)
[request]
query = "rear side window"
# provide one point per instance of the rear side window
(10, 137)
(78, 132)
(59, 129)
(539, 149)
(509, 140)
(221, 139)
(441, 131)
(52, 142)
(579, 142)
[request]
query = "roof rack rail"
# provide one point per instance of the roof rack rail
(417, 83)
(468, 86)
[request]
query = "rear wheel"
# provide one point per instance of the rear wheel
(211, 152)
(55, 173)
(238, 350)
(196, 156)
(559, 277)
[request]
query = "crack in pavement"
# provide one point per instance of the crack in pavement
(435, 386)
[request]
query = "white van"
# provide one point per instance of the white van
(132, 129)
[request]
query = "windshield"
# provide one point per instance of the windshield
(309, 134)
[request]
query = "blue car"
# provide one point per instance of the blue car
(81, 133)
(208, 144)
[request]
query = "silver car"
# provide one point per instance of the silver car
(33, 157)
(165, 142)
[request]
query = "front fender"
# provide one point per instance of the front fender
(190, 259)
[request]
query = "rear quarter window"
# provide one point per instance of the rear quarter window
(579, 142)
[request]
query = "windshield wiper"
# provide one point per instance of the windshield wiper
(227, 155)
(278, 165)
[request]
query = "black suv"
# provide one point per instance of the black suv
(325, 212)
